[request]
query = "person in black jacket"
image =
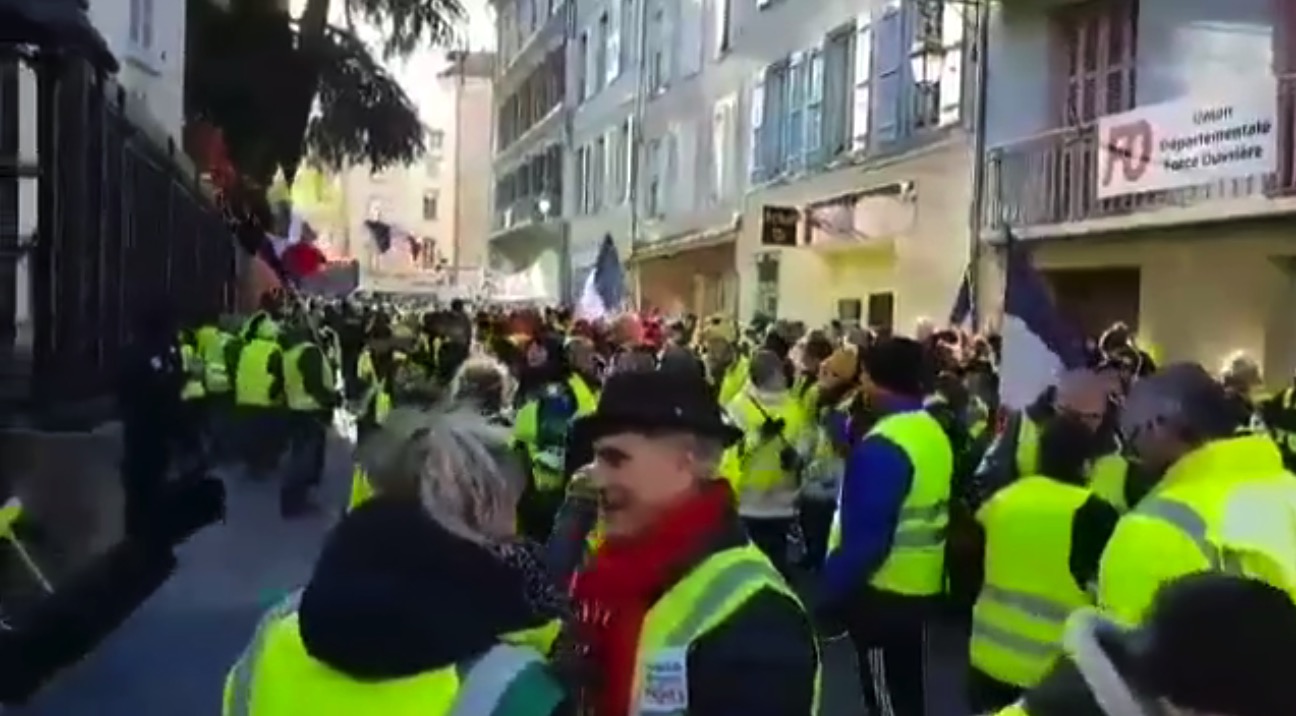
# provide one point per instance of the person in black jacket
(1212, 644)
(672, 540)
(148, 400)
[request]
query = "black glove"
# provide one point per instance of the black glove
(772, 428)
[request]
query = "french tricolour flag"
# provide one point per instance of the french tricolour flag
(1038, 344)
(604, 291)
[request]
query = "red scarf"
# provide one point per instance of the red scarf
(625, 576)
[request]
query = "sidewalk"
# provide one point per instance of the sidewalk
(171, 657)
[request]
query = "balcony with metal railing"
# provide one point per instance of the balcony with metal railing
(1047, 184)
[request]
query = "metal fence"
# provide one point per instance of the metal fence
(120, 230)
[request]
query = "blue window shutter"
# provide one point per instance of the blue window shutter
(890, 66)
(756, 147)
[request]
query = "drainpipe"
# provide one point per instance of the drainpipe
(566, 292)
(982, 47)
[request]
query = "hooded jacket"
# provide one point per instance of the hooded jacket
(394, 594)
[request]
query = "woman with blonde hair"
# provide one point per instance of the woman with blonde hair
(423, 601)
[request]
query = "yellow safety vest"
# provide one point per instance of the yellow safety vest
(1107, 478)
(1028, 435)
(295, 386)
(252, 378)
(215, 368)
(361, 489)
(759, 469)
(586, 399)
(1228, 506)
(916, 565)
(702, 601)
(277, 676)
(193, 368)
(733, 381)
(1029, 592)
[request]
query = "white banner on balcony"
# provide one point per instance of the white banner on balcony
(1191, 141)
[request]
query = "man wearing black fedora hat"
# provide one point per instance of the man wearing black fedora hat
(676, 610)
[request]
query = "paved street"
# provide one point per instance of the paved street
(170, 658)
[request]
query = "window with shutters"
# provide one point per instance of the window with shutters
(791, 154)
(598, 169)
(835, 133)
(890, 60)
(1098, 44)
(612, 43)
(723, 139)
(614, 186)
(814, 108)
(862, 90)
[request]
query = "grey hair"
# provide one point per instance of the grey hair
(767, 371)
(480, 364)
(707, 453)
(454, 461)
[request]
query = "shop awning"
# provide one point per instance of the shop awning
(870, 219)
(687, 241)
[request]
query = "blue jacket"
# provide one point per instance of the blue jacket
(877, 479)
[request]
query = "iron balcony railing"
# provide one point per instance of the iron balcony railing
(1050, 179)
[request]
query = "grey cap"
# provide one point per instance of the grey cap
(1181, 394)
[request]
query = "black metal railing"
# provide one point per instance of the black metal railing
(120, 229)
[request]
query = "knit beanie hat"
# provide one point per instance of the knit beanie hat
(898, 365)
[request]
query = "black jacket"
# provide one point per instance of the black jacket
(393, 595)
(762, 661)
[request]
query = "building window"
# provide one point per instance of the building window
(430, 199)
(794, 121)
(657, 43)
(141, 31)
(654, 169)
(601, 52)
(435, 140)
(1098, 43)
(723, 33)
(598, 170)
(582, 67)
(926, 57)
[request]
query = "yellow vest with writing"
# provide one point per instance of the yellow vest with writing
(702, 601)
(1228, 506)
(1028, 592)
(252, 379)
(916, 565)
